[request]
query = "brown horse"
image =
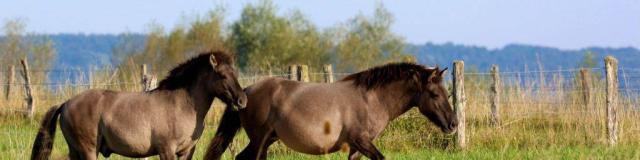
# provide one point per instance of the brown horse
(318, 118)
(167, 120)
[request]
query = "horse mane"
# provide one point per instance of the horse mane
(382, 75)
(186, 73)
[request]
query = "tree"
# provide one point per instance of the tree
(16, 45)
(164, 51)
(368, 41)
(588, 60)
(13, 47)
(264, 41)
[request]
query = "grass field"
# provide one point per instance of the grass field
(533, 142)
(538, 121)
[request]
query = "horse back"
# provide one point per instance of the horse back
(277, 95)
(86, 104)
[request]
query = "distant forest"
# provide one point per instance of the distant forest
(515, 57)
(83, 51)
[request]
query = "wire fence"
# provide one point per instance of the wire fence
(526, 96)
(553, 84)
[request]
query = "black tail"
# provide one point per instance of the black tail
(44, 140)
(229, 126)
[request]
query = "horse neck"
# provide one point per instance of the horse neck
(196, 97)
(395, 99)
(201, 99)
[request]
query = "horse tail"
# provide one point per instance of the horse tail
(44, 140)
(229, 126)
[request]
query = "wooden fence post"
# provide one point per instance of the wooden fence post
(611, 69)
(153, 83)
(303, 73)
(27, 87)
(585, 80)
(10, 80)
(495, 95)
(459, 102)
(293, 72)
(328, 73)
(144, 81)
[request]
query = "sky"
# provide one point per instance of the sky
(567, 24)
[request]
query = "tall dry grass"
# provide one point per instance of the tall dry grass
(539, 109)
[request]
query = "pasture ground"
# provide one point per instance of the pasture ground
(409, 137)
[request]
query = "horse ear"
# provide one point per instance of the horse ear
(213, 61)
(443, 71)
(435, 76)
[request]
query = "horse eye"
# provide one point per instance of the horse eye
(222, 75)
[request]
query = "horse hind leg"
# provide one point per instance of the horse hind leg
(82, 153)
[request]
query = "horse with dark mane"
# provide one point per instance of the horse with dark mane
(167, 120)
(319, 118)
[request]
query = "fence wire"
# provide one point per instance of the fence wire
(560, 83)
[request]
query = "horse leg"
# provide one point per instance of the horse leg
(73, 153)
(88, 154)
(354, 155)
(80, 151)
(258, 147)
(188, 155)
(248, 152)
(167, 153)
(167, 156)
(265, 146)
(366, 147)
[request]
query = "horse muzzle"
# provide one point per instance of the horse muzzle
(451, 128)
(241, 102)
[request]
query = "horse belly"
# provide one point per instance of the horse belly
(317, 138)
(133, 143)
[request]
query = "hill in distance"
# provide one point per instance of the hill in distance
(514, 57)
(86, 50)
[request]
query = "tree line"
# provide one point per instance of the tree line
(265, 41)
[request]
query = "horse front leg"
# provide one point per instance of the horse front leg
(167, 153)
(354, 155)
(366, 147)
(167, 156)
(188, 155)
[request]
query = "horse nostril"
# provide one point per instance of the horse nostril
(453, 125)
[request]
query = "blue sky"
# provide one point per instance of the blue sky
(567, 24)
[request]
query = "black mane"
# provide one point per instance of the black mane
(186, 73)
(389, 73)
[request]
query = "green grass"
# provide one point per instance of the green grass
(621, 152)
(410, 137)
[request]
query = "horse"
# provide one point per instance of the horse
(319, 118)
(166, 121)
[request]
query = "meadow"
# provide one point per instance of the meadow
(542, 116)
